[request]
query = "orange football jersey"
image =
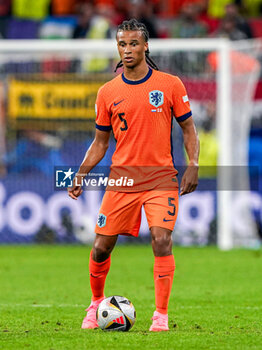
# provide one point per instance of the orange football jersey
(140, 114)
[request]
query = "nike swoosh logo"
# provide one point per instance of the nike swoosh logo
(166, 220)
(117, 103)
(160, 276)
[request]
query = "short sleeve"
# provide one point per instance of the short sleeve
(103, 119)
(181, 105)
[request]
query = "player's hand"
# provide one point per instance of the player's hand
(76, 190)
(189, 180)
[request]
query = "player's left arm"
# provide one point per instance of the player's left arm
(190, 178)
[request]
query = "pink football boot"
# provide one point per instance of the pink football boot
(89, 321)
(160, 322)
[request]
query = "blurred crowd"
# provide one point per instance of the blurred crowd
(95, 19)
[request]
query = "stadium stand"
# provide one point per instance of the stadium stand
(160, 16)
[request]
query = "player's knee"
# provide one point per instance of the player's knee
(162, 244)
(162, 241)
(101, 251)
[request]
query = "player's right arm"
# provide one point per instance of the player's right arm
(92, 157)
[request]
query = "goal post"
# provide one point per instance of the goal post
(224, 112)
(210, 86)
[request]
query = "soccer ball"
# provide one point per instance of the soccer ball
(116, 314)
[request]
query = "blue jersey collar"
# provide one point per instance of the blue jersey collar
(136, 82)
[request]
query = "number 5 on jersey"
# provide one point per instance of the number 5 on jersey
(123, 120)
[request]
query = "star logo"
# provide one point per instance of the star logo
(68, 174)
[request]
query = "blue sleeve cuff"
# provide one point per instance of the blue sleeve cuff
(104, 127)
(184, 117)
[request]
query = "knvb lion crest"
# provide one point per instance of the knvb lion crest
(156, 98)
(101, 221)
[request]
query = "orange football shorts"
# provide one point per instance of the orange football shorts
(120, 212)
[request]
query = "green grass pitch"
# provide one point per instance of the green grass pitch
(215, 301)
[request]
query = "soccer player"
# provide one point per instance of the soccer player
(139, 106)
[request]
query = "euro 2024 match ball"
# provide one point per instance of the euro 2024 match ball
(116, 313)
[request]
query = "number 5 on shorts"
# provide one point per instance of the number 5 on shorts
(171, 204)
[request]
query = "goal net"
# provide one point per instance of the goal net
(47, 96)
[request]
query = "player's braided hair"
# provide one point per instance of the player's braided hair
(133, 24)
